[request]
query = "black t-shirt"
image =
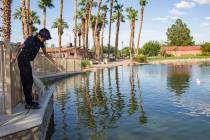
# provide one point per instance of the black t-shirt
(31, 48)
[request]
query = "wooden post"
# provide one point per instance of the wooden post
(9, 83)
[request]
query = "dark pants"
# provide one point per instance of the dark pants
(26, 79)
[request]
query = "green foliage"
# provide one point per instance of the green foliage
(126, 52)
(105, 49)
(179, 34)
(132, 13)
(205, 48)
(140, 58)
(151, 48)
(85, 64)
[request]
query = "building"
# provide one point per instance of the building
(183, 50)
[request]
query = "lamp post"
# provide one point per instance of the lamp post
(122, 49)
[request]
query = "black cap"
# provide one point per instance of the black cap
(45, 33)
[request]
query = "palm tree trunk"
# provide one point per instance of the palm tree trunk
(132, 38)
(102, 35)
(140, 28)
(117, 34)
(96, 25)
(79, 40)
(110, 26)
(6, 19)
(44, 17)
(75, 33)
(24, 19)
(98, 47)
(130, 42)
(83, 33)
(60, 26)
(88, 14)
(28, 18)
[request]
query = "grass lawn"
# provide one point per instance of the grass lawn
(158, 58)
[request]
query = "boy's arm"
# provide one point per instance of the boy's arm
(51, 60)
(19, 49)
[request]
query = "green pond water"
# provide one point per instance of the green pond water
(146, 102)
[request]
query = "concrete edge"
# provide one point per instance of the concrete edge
(32, 119)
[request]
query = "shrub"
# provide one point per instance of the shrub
(151, 48)
(140, 58)
(205, 48)
(85, 64)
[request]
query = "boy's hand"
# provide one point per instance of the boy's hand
(13, 60)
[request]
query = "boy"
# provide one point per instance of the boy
(27, 52)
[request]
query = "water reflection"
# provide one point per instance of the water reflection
(178, 78)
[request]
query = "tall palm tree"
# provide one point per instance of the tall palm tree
(79, 32)
(60, 30)
(118, 17)
(142, 3)
(110, 25)
(33, 18)
(6, 29)
(60, 25)
(44, 4)
(96, 25)
(81, 15)
(24, 19)
(88, 9)
(75, 26)
(29, 25)
(97, 37)
(132, 16)
(104, 10)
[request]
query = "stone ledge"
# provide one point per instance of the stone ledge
(23, 119)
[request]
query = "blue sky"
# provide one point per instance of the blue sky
(159, 15)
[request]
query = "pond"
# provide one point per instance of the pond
(147, 102)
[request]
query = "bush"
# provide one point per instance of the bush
(205, 48)
(151, 48)
(85, 64)
(140, 58)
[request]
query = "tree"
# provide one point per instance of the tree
(132, 16)
(104, 10)
(110, 25)
(33, 18)
(60, 25)
(142, 3)
(81, 16)
(179, 34)
(24, 19)
(44, 4)
(97, 37)
(118, 17)
(6, 29)
(96, 24)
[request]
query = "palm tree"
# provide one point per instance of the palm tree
(143, 3)
(97, 37)
(88, 9)
(81, 15)
(24, 19)
(44, 4)
(29, 24)
(110, 25)
(33, 18)
(96, 25)
(6, 29)
(60, 25)
(118, 17)
(132, 16)
(75, 26)
(79, 32)
(104, 10)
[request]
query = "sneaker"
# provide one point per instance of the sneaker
(35, 102)
(33, 106)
